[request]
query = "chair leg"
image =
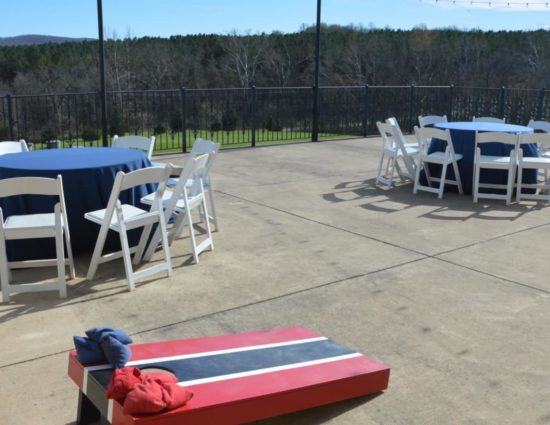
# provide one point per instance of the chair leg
(126, 256)
(457, 178)
(381, 163)
(60, 253)
(510, 185)
(98, 250)
(417, 177)
(138, 255)
(208, 227)
(4, 268)
(519, 183)
(442, 180)
(476, 181)
(428, 175)
(72, 271)
(165, 244)
(192, 237)
(213, 208)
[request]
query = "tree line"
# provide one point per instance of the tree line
(350, 56)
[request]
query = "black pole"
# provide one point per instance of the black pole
(502, 101)
(451, 100)
(315, 127)
(102, 74)
(10, 117)
(253, 115)
(183, 104)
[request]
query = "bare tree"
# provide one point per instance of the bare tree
(245, 53)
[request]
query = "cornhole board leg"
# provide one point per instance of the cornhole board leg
(238, 378)
(87, 412)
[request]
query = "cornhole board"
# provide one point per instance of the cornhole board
(237, 378)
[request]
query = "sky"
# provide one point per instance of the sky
(163, 18)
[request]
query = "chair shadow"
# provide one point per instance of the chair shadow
(110, 281)
(453, 207)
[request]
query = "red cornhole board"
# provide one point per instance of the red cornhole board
(238, 378)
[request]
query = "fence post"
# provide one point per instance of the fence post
(253, 115)
(541, 103)
(183, 94)
(365, 112)
(411, 106)
(315, 123)
(10, 116)
(502, 101)
(451, 100)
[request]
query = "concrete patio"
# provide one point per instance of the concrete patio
(453, 296)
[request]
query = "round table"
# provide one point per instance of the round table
(88, 176)
(463, 134)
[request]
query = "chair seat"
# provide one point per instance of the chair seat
(536, 162)
(30, 221)
(172, 181)
(129, 212)
(439, 158)
(193, 201)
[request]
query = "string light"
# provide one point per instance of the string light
(531, 5)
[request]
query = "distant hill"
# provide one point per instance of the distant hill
(27, 39)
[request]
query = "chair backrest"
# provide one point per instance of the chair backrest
(201, 146)
(31, 186)
(424, 135)
(146, 144)
(386, 133)
(497, 137)
(489, 119)
(393, 122)
(541, 139)
(13, 147)
(195, 169)
(143, 176)
(540, 126)
(429, 120)
(400, 142)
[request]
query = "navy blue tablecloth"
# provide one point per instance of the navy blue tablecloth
(463, 135)
(88, 176)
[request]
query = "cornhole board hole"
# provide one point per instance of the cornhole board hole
(237, 378)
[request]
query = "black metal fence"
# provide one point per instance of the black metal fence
(252, 116)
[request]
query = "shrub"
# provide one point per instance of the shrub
(90, 134)
(230, 119)
(215, 126)
(160, 128)
(273, 124)
(116, 121)
(4, 133)
(48, 134)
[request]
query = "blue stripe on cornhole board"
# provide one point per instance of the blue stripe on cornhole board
(243, 361)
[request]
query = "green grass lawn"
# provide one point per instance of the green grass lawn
(172, 142)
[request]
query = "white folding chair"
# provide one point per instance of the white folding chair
(13, 147)
(489, 119)
(541, 127)
(121, 218)
(31, 226)
(146, 144)
(201, 147)
(540, 163)
(446, 158)
(495, 162)
(430, 120)
(393, 151)
(181, 201)
(397, 129)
